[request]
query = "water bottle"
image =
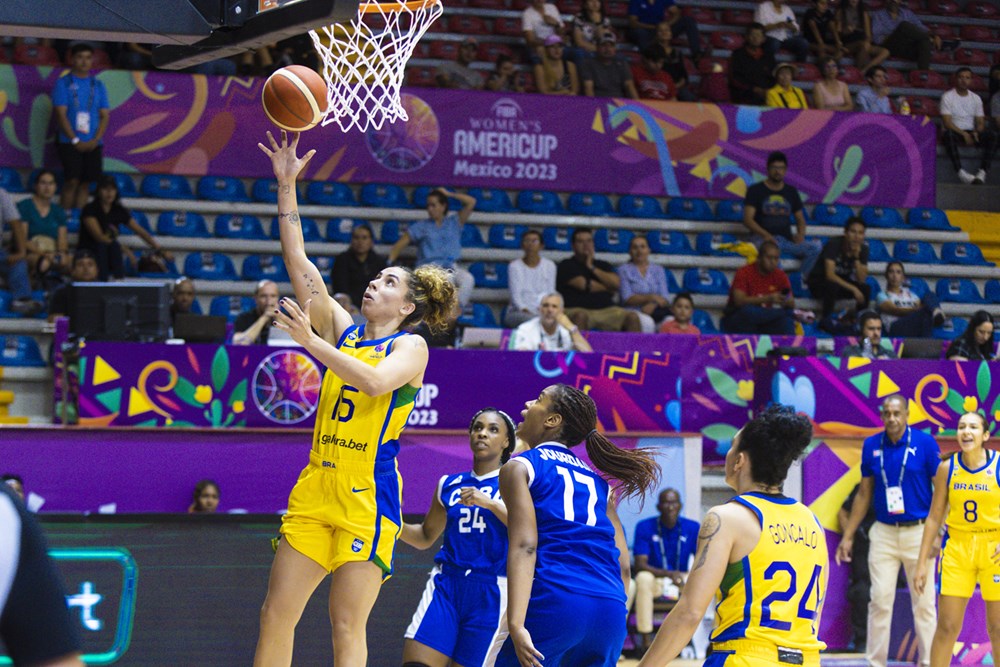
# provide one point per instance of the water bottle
(903, 105)
(867, 347)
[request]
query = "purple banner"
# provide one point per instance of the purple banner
(196, 125)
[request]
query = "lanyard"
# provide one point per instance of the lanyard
(663, 542)
(905, 441)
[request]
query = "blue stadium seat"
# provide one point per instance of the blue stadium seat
(707, 243)
(171, 272)
(126, 186)
(876, 216)
(209, 266)
(73, 221)
(327, 193)
(5, 311)
(489, 274)
(324, 263)
(967, 254)
(506, 236)
(166, 186)
(222, 188)
(669, 242)
(689, 208)
(138, 216)
(228, 226)
(478, 315)
(958, 290)
(705, 281)
(612, 240)
(338, 230)
(539, 201)
(639, 206)
(391, 230)
(585, 203)
(472, 237)
(265, 191)
(491, 200)
(10, 180)
(310, 230)
(929, 218)
(834, 215)
(918, 286)
(952, 328)
(384, 195)
(178, 223)
(259, 267)
(729, 210)
(419, 198)
(877, 252)
(230, 306)
(799, 289)
(916, 252)
(558, 238)
(704, 322)
(672, 285)
(874, 284)
(992, 290)
(20, 351)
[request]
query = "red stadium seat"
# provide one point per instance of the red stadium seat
(894, 78)
(422, 49)
(468, 24)
(976, 33)
(101, 59)
(488, 4)
(519, 5)
(420, 77)
(943, 30)
(36, 54)
(529, 82)
(978, 84)
(571, 7)
(943, 7)
(928, 78)
(923, 106)
(489, 51)
(443, 50)
(807, 72)
(981, 9)
(851, 74)
(942, 57)
(972, 58)
(508, 26)
(726, 40)
(616, 9)
(737, 17)
(702, 15)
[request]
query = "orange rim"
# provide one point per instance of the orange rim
(392, 7)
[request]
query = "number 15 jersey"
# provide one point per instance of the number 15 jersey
(775, 593)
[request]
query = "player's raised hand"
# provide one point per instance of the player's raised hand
(295, 321)
(284, 161)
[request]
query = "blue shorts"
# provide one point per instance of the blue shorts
(571, 629)
(463, 616)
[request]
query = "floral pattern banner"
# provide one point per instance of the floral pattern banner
(195, 125)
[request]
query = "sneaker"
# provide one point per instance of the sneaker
(965, 177)
(980, 177)
(27, 307)
(939, 318)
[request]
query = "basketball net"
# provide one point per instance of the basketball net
(364, 62)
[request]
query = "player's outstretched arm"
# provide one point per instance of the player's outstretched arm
(423, 535)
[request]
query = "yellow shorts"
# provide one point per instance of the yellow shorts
(967, 560)
(346, 514)
(749, 653)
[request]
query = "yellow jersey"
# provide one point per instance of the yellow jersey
(774, 595)
(352, 427)
(973, 495)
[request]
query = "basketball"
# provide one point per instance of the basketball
(294, 98)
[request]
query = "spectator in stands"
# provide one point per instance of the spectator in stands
(651, 81)
(253, 327)
(842, 269)
(439, 239)
(644, 285)
(45, 228)
(830, 92)
(682, 311)
(870, 346)
(760, 299)
(530, 277)
(900, 31)
(785, 95)
(205, 499)
(80, 105)
(905, 314)
(589, 285)
(820, 22)
(13, 263)
(587, 27)
(673, 63)
(976, 342)
(781, 28)
(84, 271)
(354, 268)
(608, 75)
(181, 297)
(964, 124)
(554, 75)
(645, 15)
(550, 331)
(750, 68)
(458, 73)
(768, 209)
(875, 98)
(15, 483)
(853, 27)
(539, 21)
(505, 78)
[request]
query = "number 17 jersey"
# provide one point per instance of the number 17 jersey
(774, 595)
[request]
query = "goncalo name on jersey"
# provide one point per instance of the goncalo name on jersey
(792, 533)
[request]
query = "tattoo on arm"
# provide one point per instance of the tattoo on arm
(293, 217)
(310, 285)
(709, 529)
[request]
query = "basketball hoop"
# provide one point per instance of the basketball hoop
(364, 62)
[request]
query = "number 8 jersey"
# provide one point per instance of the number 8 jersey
(774, 595)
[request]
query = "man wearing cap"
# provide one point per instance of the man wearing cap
(458, 74)
(540, 20)
(897, 473)
(608, 75)
(783, 95)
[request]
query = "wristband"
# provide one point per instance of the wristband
(74, 141)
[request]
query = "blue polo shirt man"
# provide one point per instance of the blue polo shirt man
(897, 475)
(663, 547)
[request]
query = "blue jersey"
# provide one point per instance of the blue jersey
(576, 540)
(474, 538)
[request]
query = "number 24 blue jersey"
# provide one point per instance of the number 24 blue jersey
(474, 538)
